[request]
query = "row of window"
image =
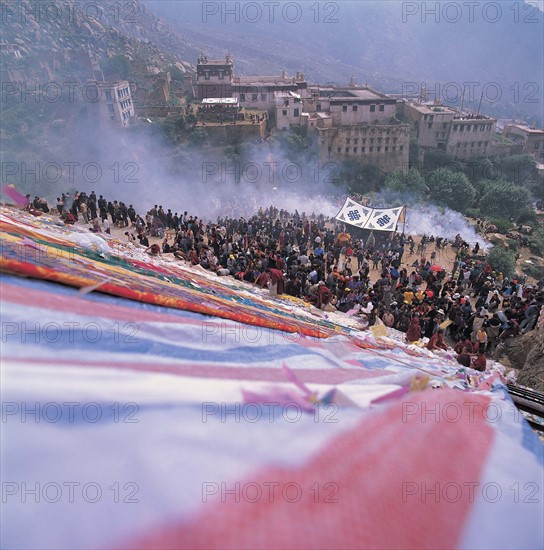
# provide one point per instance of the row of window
(472, 144)
(372, 131)
(355, 108)
(461, 127)
(254, 97)
(218, 74)
(370, 140)
(296, 112)
(371, 149)
(123, 93)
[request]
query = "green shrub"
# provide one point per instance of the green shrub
(503, 226)
(472, 212)
(504, 198)
(536, 242)
(527, 216)
(513, 245)
(502, 260)
(534, 271)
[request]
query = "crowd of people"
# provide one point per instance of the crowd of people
(375, 277)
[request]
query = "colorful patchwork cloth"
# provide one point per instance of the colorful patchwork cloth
(174, 409)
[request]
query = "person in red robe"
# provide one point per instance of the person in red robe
(480, 362)
(277, 279)
(414, 330)
(436, 341)
(324, 295)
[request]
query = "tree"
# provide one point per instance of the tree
(536, 242)
(406, 181)
(435, 159)
(413, 155)
(504, 199)
(198, 137)
(502, 260)
(361, 178)
(175, 73)
(480, 169)
(451, 189)
(517, 168)
(118, 64)
(174, 129)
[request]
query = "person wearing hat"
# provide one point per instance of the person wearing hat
(408, 295)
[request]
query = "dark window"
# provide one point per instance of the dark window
(296, 112)
(382, 107)
(344, 108)
(355, 107)
(372, 108)
(284, 112)
(242, 97)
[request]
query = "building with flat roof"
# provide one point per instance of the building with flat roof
(288, 110)
(114, 102)
(357, 123)
(460, 135)
(530, 139)
(214, 77)
(258, 92)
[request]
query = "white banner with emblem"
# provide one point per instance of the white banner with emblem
(375, 219)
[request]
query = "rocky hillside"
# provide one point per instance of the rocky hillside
(49, 39)
(393, 45)
(525, 355)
